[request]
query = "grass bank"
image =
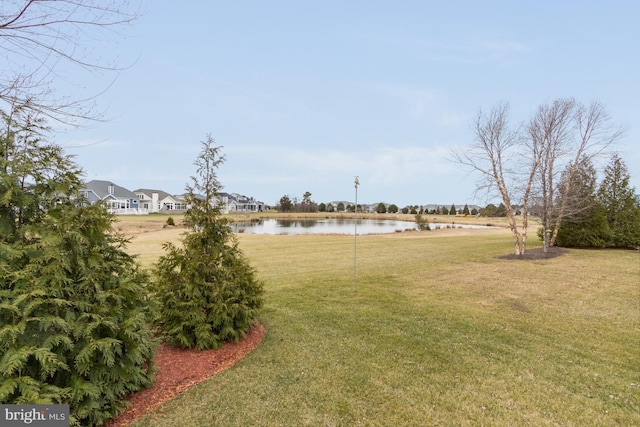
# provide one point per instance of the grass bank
(437, 332)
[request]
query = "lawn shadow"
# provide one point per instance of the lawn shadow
(536, 254)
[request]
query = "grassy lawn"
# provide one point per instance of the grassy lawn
(438, 332)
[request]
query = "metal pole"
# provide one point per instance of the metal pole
(355, 232)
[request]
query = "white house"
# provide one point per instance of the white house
(118, 199)
(238, 203)
(160, 201)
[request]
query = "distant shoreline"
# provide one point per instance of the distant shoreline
(440, 219)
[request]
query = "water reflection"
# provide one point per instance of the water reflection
(331, 226)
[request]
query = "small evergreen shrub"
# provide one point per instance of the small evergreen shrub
(73, 319)
(170, 221)
(208, 294)
(73, 312)
(206, 291)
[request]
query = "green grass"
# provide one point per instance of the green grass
(438, 332)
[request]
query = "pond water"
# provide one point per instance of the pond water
(333, 226)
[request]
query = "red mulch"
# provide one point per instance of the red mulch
(178, 369)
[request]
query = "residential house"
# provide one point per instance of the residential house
(238, 203)
(160, 201)
(172, 203)
(150, 199)
(117, 199)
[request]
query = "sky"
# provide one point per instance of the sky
(306, 95)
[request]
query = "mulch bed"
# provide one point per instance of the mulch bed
(536, 254)
(178, 369)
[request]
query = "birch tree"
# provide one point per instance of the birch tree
(549, 132)
(494, 154)
(524, 164)
(566, 133)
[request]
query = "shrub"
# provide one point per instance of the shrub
(206, 290)
(423, 224)
(73, 320)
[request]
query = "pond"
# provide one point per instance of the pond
(333, 226)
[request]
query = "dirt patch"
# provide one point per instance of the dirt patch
(179, 369)
(536, 254)
(516, 306)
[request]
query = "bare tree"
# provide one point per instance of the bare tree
(566, 133)
(526, 168)
(494, 154)
(37, 38)
(550, 131)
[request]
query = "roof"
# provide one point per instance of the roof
(149, 192)
(101, 189)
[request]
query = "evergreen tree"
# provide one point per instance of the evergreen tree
(585, 223)
(381, 208)
(489, 210)
(452, 209)
(285, 204)
(622, 210)
(207, 291)
(73, 315)
(465, 210)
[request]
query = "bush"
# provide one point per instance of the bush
(73, 319)
(170, 221)
(205, 297)
(206, 291)
(423, 224)
(590, 230)
(73, 315)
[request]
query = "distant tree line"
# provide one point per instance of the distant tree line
(305, 205)
(293, 204)
(604, 215)
(287, 204)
